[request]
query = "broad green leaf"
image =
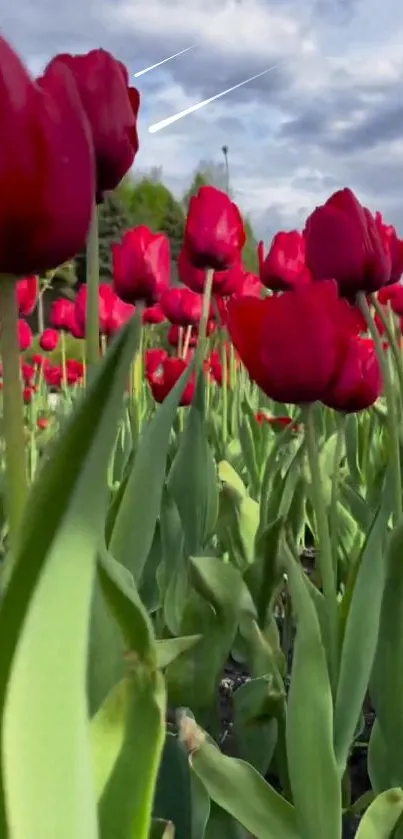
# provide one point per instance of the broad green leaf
(257, 706)
(239, 789)
(173, 795)
(126, 803)
(360, 637)
(378, 764)
(44, 620)
(192, 479)
(221, 824)
(312, 763)
(386, 685)
(382, 816)
(228, 475)
(134, 527)
(169, 649)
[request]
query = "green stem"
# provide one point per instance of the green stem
(13, 410)
(92, 314)
(202, 341)
(325, 553)
(341, 424)
(392, 419)
(391, 336)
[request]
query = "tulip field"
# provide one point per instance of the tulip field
(201, 501)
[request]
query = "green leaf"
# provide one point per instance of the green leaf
(382, 816)
(125, 806)
(312, 763)
(386, 685)
(360, 636)
(170, 648)
(133, 532)
(173, 800)
(44, 620)
(192, 479)
(236, 787)
(161, 830)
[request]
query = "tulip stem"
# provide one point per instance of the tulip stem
(92, 277)
(392, 420)
(325, 554)
(202, 342)
(13, 410)
(385, 321)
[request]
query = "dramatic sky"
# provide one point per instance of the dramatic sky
(330, 115)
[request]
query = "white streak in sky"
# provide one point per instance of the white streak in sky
(164, 123)
(164, 60)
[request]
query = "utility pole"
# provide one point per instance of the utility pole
(224, 150)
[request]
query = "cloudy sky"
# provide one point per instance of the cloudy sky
(329, 115)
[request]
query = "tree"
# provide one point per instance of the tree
(113, 221)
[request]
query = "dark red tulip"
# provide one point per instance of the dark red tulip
(164, 378)
(113, 312)
(225, 282)
(182, 306)
(47, 168)
(215, 234)
(25, 336)
(393, 245)
(343, 242)
(284, 266)
(293, 344)
(359, 381)
(38, 360)
(111, 107)
(153, 314)
(49, 340)
(27, 295)
(141, 266)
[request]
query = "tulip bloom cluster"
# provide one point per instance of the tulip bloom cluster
(67, 137)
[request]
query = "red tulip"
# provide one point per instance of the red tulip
(53, 375)
(141, 266)
(359, 381)
(42, 423)
(343, 242)
(25, 336)
(154, 358)
(27, 295)
(250, 285)
(113, 313)
(38, 360)
(392, 294)
(111, 107)
(284, 266)
(49, 340)
(153, 314)
(47, 170)
(74, 371)
(182, 306)
(277, 423)
(27, 394)
(61, 313)
(214, 234)
(293, 344)
(28, 373)
(224, 282)
(165, 376)
(214, 366)
(393, 245)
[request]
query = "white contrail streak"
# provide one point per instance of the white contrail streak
(157, 126)
(164, 60)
